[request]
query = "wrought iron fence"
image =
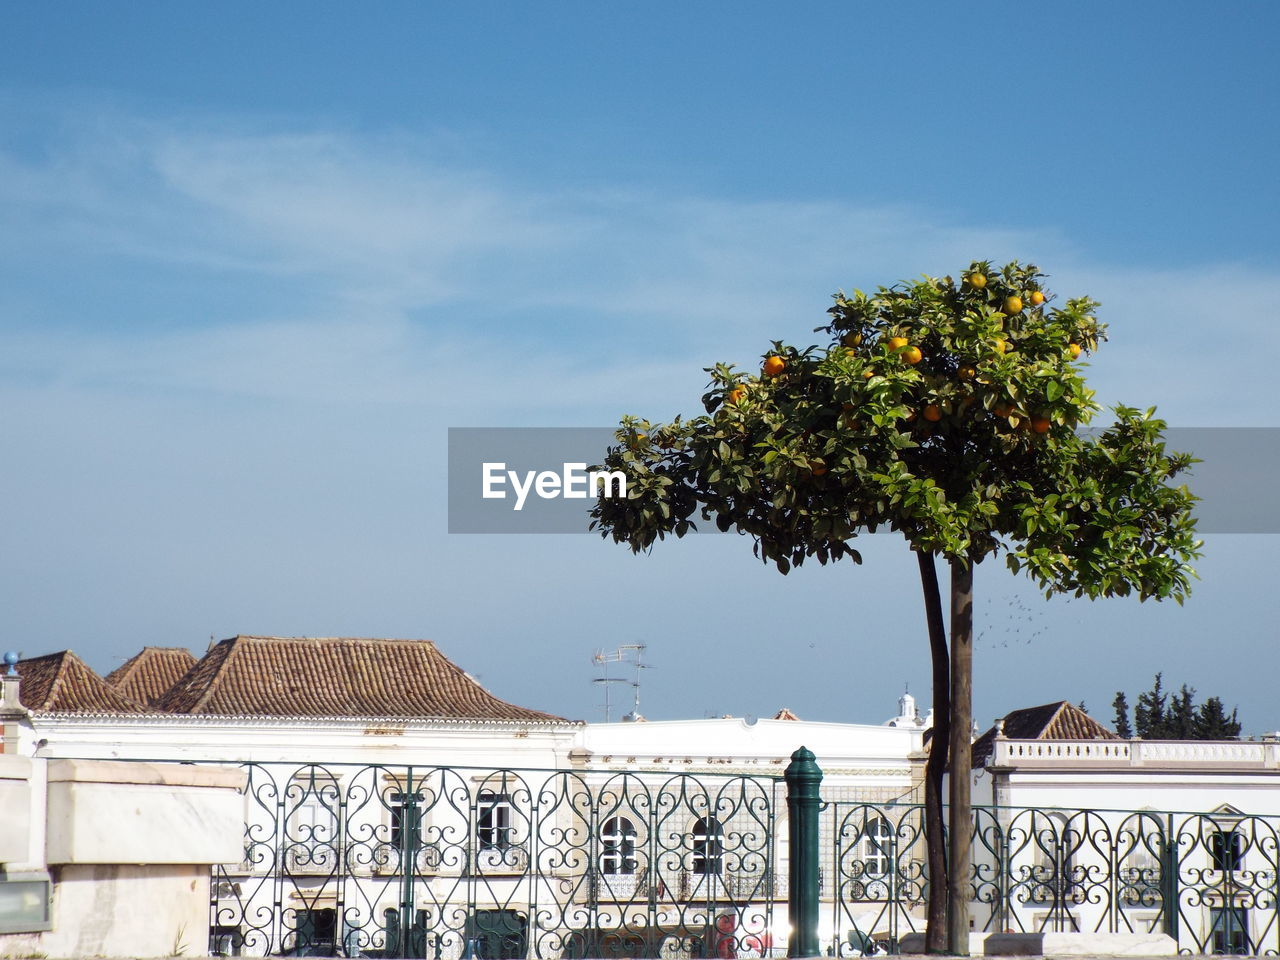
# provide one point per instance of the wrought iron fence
(407, 861)
(471, 864)
(1209, 880)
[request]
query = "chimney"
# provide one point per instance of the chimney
(12, 712)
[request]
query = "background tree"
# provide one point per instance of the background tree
(1182, 714)
(1156, 717)
(1149, 714)
(1121, 705)
(946, 411)
(1212, 722)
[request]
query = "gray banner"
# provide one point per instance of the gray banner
(534, 479)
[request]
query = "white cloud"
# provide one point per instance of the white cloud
(373, 272)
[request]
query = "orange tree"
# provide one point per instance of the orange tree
(949, 412)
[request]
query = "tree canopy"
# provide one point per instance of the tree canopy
(947, 411)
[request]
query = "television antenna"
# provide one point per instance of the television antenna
(631, 654)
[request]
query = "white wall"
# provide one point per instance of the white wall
(128, 847)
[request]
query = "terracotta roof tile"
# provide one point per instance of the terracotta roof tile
(63, 683)
(335, 677)
(148, 675)
(1060, 720)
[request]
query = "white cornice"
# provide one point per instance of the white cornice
(271, 722)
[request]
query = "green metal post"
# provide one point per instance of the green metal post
(803, 778)
(408, 862)
(1169, 868)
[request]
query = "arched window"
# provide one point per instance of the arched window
(877, 847)
(314, 802)
(1141, 870)
(1226, 848)
(1056, 878)
(618, 846)
(493, 820)
(708, 846)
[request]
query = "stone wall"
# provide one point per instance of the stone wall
(127, 847)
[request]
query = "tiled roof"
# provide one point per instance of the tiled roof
(1050, 721)
(335, 677)
(785, 714)
(147, 676)
(63, 683)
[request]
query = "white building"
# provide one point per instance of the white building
(379, 771)
(1092, 832)
(394, 806)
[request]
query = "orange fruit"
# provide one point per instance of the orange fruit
(912, 355)
(736, 395)
(851, 339)
(817, 467)
(1012, 305)
(976, 280)
(1002, 346)
(1037, 298)
(932, 413)
(868, 374)
(774, 365)
(897, 343)
(1002, 409)
(1040, 423)
(966, 372)
(1073, 349)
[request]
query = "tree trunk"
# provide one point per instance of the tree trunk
(936, 766)
(960, 756)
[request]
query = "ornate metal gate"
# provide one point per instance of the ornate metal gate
(1209, 880)
(407, 861)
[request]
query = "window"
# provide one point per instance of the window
(493, 822)
(618, 846)
(317, 933)
(225, 940)
(708, 846)
(1055, 877)
(1230, 929)
(877, 848)
(1227, 850)
(312, 841)
(1140, 875)
(405, 812)
(497, 935)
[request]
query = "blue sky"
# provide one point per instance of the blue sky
(256, 259)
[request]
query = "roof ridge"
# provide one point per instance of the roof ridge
(1062, 705)
(59, 675)
(260, 636)
(232, 645)
(326, 676)
(482, 688)
(122, 672)
(73, 679)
